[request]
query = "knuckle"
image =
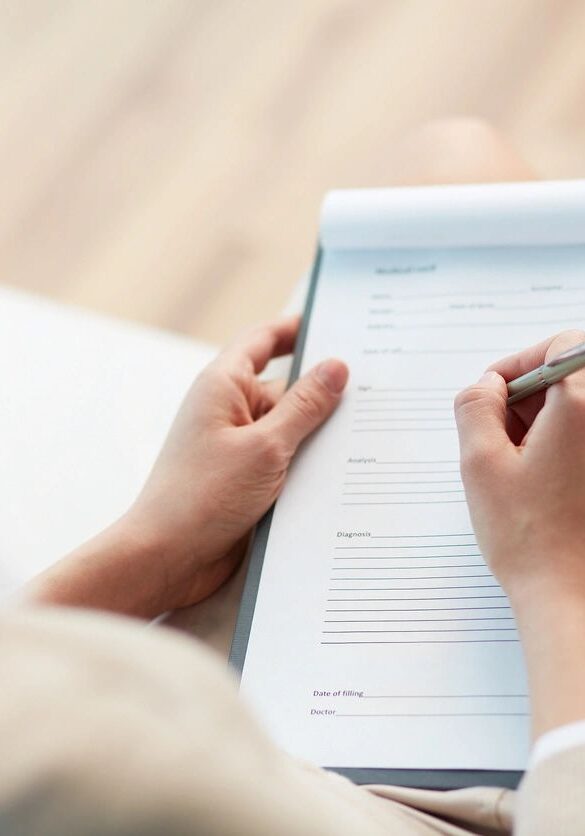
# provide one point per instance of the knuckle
(476, 462)
(563, 341)
(469, 399)
(241, 377)
(212, 380)
(306, 404)
(250, 333)
(208, 376)
(273, 452)
(260, 333)
(572, 336)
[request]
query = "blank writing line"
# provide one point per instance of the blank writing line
(425, 609)
(405, 429)
(442, 696)
(411, 482)
(418, 389)
(404, 473)
(379, 568)
(426, 641)
(426, 598)
(572, 304)
(405, 557)
(472, 714)
(402, 419)
(414, 588)
(417, 577)
(432, 630)
(462, 293)
(489, 324)
(489, 307)
(410, 620)
(398, 557)
(407, 409)
(419, 536)
(413, 555)
(400, 400)
(423, 546)
(399, 493)
(409, 502)
(527, 290)
(466, 351)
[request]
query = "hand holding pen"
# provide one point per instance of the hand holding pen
(545, 375)
(524, 464)
(523, 468)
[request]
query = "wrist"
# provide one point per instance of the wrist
(118, 570)
(551, 622)
(536, 596)
(173, 544)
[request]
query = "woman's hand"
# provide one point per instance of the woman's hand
(524, 472)
(226, 457)
(221, 468)
(523, 469)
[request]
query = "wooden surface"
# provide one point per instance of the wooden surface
(164, 160)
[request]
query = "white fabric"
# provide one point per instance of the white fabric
(557, 740)
(85, 402)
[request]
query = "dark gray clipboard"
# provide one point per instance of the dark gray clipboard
(442, 779)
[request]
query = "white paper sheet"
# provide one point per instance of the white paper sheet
(380, 638)
(546, 212)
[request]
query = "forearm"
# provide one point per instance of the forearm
(120, 570)
(551, 622)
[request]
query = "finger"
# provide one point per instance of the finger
(562, 416)
(272, 392)
(269, 392)
(524, 412)
(253, 350)
(306, 404)
(480, 412)
(523, 361)
(573, 383)
(527, 360)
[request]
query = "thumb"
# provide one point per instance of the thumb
(307, 403)
(480, 412)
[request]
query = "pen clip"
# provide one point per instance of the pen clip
(577, 351)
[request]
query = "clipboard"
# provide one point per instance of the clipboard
(436, 779)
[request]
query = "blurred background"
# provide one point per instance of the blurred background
(164, 160)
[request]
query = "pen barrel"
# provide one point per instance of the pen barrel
(526, 384)
(568, 366)
(543, 377)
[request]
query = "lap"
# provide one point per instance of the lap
(138, 730)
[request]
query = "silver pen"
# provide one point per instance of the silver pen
(543, 377)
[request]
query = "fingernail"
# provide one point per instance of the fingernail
(333, 375)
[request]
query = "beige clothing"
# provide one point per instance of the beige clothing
(108, 727)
